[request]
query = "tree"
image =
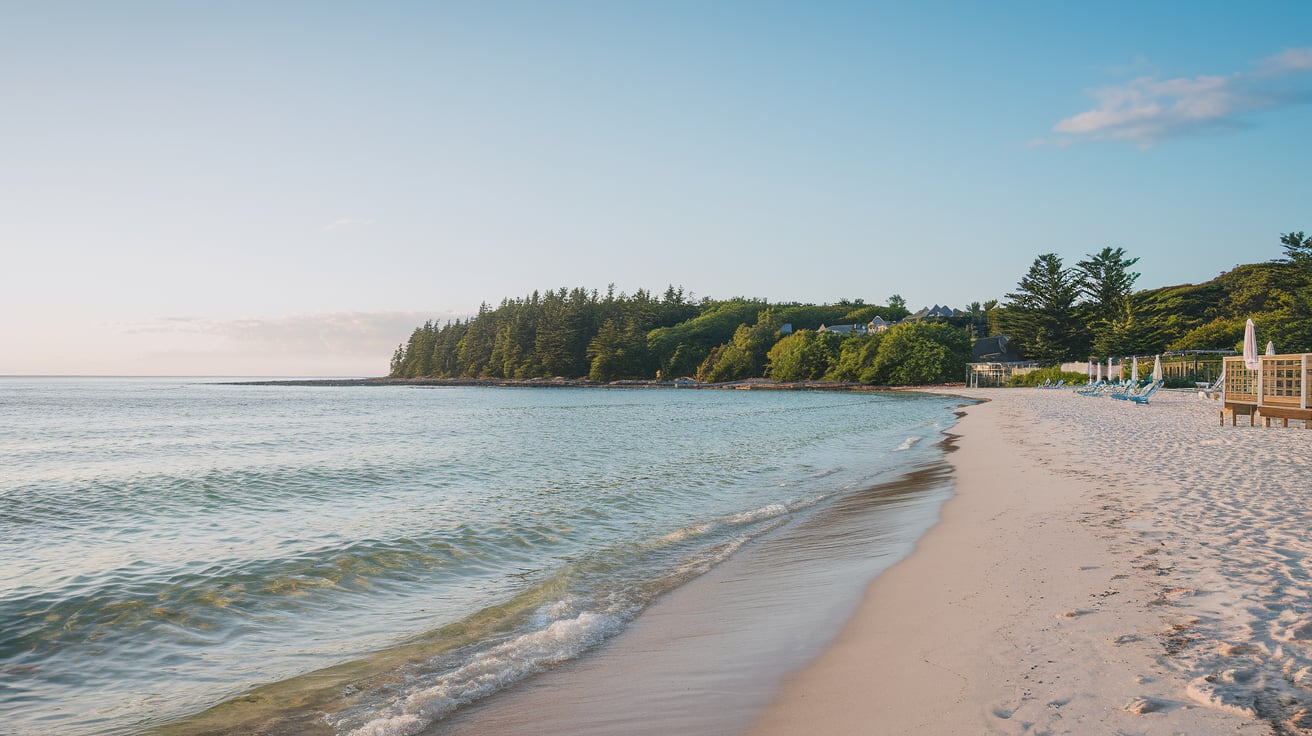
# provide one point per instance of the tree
(1040, 314)
(920, 353)
(856, 357)
(1298, 248)
(897, 308)
(1106, 281)
(803, 356)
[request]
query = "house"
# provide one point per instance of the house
(878, 324)
(996, 349)
(844, 329)
(995, 362)
(936, 312)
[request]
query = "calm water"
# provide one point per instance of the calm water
(369, 560)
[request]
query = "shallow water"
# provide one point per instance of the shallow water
(374, 559)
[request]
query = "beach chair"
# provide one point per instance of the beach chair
(1131, 390)
(1091, 389)
(1214, 390)
(1143, 397)
(1060, 383)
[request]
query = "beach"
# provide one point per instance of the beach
(1101, 568)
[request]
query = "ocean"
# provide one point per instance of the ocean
(186, 556)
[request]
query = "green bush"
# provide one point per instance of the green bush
(1054, 374)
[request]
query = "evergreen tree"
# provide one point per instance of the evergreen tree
(1040, 314)
(1298, 248)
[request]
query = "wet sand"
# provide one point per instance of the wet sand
(1101, 568)
(706, 658)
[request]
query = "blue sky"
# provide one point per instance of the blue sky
(290, 188)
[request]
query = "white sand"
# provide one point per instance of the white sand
(1103, 568)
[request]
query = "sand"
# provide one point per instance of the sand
(1102, 568)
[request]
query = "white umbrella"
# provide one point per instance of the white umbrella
(1091, 371)
(1134, 370)
(1097, 367)
(1109, 369)
(1270, 348)
(1251, 361)
(1157, 368)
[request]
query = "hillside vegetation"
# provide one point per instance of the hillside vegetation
(1055, 314)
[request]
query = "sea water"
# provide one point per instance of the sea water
(187, 556)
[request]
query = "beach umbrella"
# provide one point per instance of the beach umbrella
(1091, 371)
(1109, 369)
(1157, 368)
(1134, 370)
(1270, 348)
(1098, 370)
(1251, 361)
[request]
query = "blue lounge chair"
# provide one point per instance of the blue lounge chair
(1143, 397)
(1131, 390)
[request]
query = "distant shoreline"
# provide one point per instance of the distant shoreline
(749, 384)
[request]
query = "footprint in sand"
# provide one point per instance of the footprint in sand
(1144, 706)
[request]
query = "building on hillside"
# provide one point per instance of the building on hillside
(996, 361)
(996, 349)
(844, 329)
(878, 324)
(786, 329)
(936, 312)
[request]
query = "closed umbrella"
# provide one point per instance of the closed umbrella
(1270, 348)
(1157, 368)
(1251, 361)
(1134, 370)
(1091, 371)
(1109, 369)
(1098, 370)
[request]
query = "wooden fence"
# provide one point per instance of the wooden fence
(1278, 390)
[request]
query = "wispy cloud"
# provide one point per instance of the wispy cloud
(347, 222)
(1149, 110)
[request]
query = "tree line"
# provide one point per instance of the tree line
(1055, 314)
(578, 333)
(1061, 314)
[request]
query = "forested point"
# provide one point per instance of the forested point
(1057, 313)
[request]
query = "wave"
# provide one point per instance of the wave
(486, 673)
(907, 444)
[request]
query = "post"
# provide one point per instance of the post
(1260, 371)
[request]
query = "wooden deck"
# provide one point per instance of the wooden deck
(1278, 390)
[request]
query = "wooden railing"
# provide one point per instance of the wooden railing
(1281, 388)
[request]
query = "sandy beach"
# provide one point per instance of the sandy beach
(1102, 568)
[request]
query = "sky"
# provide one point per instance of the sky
(290, 188)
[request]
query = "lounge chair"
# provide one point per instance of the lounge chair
(1143, 397)
(1092, 389)
(1131, 390)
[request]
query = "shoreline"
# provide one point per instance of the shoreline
(706, 657)
(1047, 598)
(761, 384)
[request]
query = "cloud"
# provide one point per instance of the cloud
(347, 221)
(1148, 110)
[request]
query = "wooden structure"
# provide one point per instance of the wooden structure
(995, 374)
(1280, 389)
